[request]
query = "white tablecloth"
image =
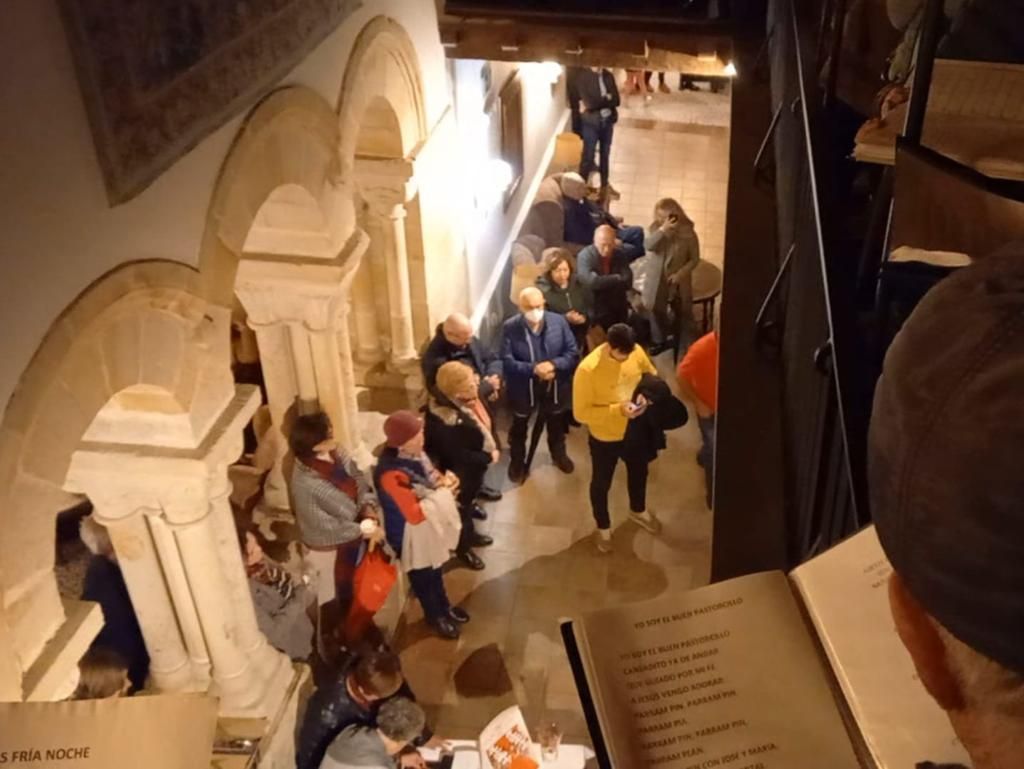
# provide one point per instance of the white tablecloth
(467, 756)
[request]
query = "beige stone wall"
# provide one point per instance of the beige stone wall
(59, 233)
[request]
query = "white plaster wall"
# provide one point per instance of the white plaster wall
(544, 110)
(57, 232)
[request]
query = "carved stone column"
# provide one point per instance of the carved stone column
(297, 305)
(187, 583)
(386, 186)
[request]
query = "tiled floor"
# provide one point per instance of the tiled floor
(674, 145)
(543, 567)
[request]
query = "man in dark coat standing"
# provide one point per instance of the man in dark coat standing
(539, 354)
(454, 340)
(599, 111)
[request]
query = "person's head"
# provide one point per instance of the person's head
(249, 544)
(96, 538)
(308, 432)
(573, 186)
(375, 676)
(668, 209)
(947, 497)
(621, 341)
(403, 430)
(559, 266)
(102, 673)
(457, 382)
(399, 722)
(604, 240)
(531, 305)
(457, 330)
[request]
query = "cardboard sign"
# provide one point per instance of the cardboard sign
(158, 732)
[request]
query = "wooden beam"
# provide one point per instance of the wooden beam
(588, 46)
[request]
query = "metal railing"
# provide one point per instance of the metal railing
(810, 310)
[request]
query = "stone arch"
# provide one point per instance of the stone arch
(290, 138)
(382, 87)
(140, 329)
(383, 127)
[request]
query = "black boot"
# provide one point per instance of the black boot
(517, 471)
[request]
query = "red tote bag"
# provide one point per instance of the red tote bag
(373, 580)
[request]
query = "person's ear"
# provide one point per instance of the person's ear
(921, 638)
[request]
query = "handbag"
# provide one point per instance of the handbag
(374, 577)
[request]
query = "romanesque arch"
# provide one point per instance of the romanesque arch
(141, 327)
(382, 128)
(290, 138)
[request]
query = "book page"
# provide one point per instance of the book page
(845, 592)
(724, 676)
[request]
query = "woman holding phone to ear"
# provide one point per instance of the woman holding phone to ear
(673, 237)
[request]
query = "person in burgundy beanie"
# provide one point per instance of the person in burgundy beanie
(421, 517)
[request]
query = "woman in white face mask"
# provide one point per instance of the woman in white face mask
(539, 352)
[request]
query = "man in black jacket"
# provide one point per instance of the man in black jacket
(603, 268)
(454, 340)
(351, 698)
(598, 110)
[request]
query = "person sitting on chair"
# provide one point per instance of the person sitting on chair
(539, 354)
(583, 216)
(603, 269)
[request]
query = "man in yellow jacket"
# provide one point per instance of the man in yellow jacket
(602, 398)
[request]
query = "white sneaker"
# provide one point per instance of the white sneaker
(646, 520)
(603, 540)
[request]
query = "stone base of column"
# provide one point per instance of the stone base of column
(275, 732)
(272, 693)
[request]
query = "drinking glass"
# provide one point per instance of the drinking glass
(549, 735)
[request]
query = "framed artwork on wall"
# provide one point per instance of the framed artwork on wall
(157, 78)
(510, 111)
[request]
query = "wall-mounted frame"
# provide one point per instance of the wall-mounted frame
(157, 78)
(510, 111)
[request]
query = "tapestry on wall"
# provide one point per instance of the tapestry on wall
(157, 77)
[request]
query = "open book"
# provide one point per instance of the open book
(975, 116)
(767, 671)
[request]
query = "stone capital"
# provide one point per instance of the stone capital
(127, 479)
(277, 289)
(386, 184)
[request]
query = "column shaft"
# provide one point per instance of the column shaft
(402, 342)
(305, 374)
(364, 306)
(181, 595)
(279, 378)
(327, 365)
(234, 678)
(169, 667)
(251, 641)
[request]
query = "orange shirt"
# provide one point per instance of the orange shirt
(699, 367)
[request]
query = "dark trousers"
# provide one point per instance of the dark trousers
(554, 424)
(632, 238)
(604, 456)
(428, 585)
(706, 455)
(471, 480)
(345, 571)
(597, 134)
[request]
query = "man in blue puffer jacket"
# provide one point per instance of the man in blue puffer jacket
(539, 356)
